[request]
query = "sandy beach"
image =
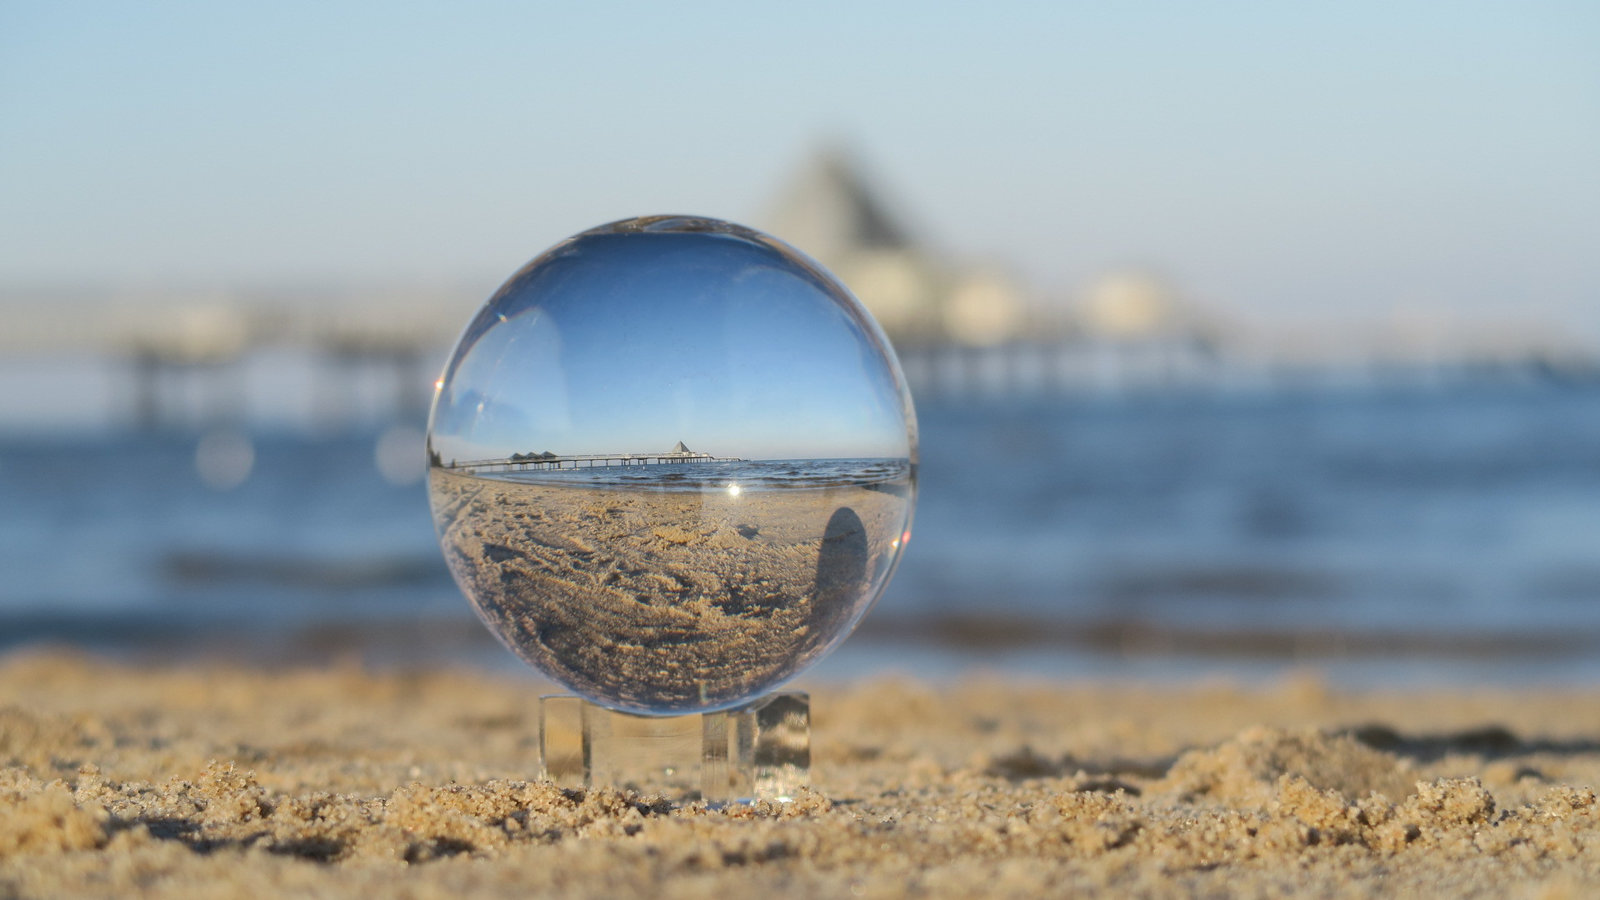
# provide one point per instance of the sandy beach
(217, 781)
(668, 600)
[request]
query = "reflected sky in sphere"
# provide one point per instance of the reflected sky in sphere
(637, 335)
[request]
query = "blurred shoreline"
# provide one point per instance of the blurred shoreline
(1441, 532)
(937, 650)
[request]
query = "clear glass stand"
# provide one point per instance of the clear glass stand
(761, 751)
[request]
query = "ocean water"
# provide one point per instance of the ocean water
(1445, 533)
(748, 474)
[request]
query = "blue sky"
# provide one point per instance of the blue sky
(1276, 160)
(631, 343)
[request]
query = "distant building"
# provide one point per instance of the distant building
(1135, 306)
(970, 329)
(830, 212)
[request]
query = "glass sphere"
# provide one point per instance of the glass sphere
(672, 462)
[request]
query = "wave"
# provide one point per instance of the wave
(748, 475)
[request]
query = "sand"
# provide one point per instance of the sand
(667, 601)
(217, 781)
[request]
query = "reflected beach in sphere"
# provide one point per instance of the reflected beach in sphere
(672, 462)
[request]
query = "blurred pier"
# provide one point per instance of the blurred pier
(973, 329)
(346, 380)
(329, 360)
(321, 360)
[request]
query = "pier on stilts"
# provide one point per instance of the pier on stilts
(522, 462)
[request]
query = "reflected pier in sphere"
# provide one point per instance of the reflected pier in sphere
(533, 462)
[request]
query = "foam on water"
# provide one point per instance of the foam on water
(748, 475)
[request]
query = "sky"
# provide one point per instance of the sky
(1280, 162)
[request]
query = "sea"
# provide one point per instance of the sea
(716, 475)
(1369, 535)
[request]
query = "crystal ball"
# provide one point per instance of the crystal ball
(672, 463)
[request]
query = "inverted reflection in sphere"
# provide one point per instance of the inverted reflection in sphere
(672, 463)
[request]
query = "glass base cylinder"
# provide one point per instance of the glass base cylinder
(760, 751)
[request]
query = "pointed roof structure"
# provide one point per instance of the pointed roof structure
(829, 212)
(679, 448)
